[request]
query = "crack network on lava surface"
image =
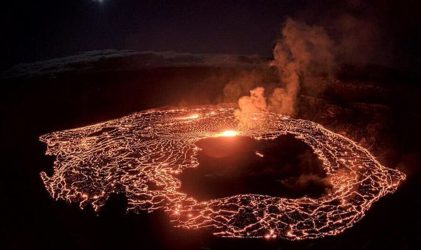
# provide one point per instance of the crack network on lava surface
(141, 155)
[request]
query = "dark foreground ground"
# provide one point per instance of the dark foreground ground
(376, 107)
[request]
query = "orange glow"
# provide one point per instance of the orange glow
(96, 161)
(227, 133)
(191, 117)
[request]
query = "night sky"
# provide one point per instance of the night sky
(44, 29)
(37, 30)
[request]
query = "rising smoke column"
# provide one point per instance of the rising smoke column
(301, 52)
(250, 106)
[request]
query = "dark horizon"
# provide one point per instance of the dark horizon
(40, 30)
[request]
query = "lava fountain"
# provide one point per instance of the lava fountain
(142, 155)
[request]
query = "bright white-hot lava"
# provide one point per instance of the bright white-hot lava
(227, 133)
(142, 154)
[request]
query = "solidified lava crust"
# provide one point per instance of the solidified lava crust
(142, 154)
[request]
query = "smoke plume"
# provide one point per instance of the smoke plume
(250, 106)
(301, 52)
(241, 85)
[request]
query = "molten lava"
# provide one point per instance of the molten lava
(227, 133)
(141, 155)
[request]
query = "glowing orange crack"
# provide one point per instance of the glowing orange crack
(142, 154)
(227, 133)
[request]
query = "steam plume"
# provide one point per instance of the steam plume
(251, 105)
(302, 51)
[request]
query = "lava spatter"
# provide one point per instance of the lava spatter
(142, 154)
